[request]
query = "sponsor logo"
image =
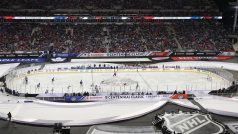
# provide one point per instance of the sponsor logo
(195, 58)
(92, 55)
(64, 55)
(6, 60)
(126, 54)
(125, 97)
(111, 97)
(195, 53)
(73, 99)
(192, 123)
(59, 59)
(112, 54)
(228, 53)
(21, 55)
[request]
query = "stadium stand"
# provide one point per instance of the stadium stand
(162, 7)
(190, 35)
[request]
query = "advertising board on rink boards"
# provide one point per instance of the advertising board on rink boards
(124, 97)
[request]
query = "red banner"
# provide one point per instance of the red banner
(179, 96)
(195, 58)
(161, 54)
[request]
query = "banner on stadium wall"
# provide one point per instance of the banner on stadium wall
(195, 53)
(131, 54)
(22, 60)
(64, 55)
(231, 53)
(160, 54)
(195, 58)
(110, 17)
(23, 55)
(153, 54)
(92, 55)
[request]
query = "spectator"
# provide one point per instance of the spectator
(9, 115)
(90, 38)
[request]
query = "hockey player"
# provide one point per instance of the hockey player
(53, 80)
(52, 90)
(137, 86)
(81, 83)
(38, 85)
(96, 88)
(26, 80)
(209, 78)
(115, 74)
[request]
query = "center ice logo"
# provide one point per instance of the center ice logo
(192, 123)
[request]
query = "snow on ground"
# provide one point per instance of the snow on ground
(184, 103)
(219, 105)
(39, 113)
(148, 81)
(5, 68)
(112, 129)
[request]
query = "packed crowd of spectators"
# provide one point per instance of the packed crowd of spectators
(195, 35)
(88, 6)
(15, 36)
(86, 38)
(105, 4)
(140, 38)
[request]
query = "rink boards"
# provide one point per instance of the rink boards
(150, 80)
(117, 71)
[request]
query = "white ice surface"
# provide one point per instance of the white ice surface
(207, 64)
(148, 80)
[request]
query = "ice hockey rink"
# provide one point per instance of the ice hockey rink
(33, 111)
(126, 80)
